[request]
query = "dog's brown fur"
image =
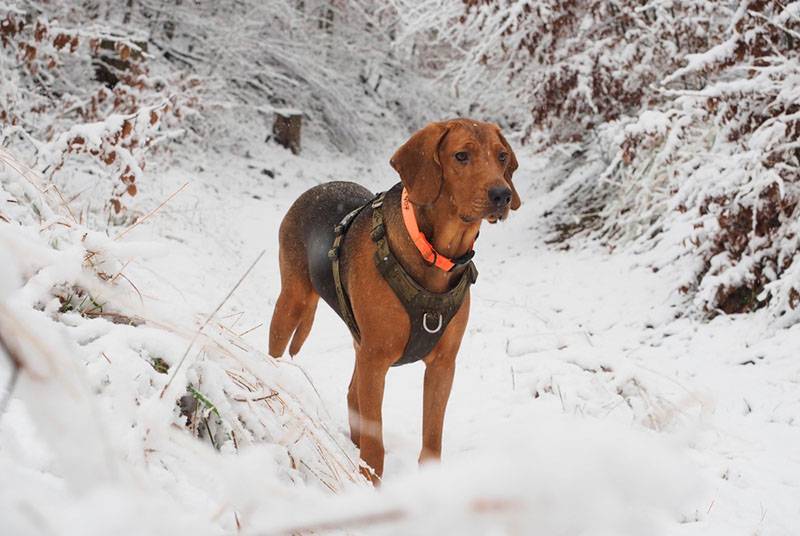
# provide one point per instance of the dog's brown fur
(450, 198)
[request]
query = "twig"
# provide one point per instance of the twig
(12, 382)
(366, 520)
(214, 312)
(478, 506)
(210, 435)
(22, 170)
(138, 222)
(236, 321)
(318, 477)
(147, 216)
(65, 203)
(251, 329)
(119, 273)
(239, 313)
(258, 398)
(125, 277)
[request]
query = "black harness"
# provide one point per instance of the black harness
(429, 312)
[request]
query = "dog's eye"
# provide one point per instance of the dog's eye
(462, 156)
(503, 157)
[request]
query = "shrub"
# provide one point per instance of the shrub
(71, 91)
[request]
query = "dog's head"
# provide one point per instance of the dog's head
(464, 164)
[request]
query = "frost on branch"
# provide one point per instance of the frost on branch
(54, 106)
(564, 67)
(704, 164)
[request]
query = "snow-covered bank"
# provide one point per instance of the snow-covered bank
(581, 404)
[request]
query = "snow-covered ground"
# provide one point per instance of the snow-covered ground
(584, 402)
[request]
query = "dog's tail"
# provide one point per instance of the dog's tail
(304, 326)
(297, 302)
(293, 317)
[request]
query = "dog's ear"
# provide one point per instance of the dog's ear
(417, 163)
(511, 167)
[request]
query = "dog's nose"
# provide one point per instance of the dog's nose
(500, 196)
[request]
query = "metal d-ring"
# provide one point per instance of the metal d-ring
(425, 324)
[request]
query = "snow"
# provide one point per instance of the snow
(696, 62)
(581, 404)
(649, 122)
(601, 388)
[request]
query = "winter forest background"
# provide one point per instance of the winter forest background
(662, 136)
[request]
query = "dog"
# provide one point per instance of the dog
(418, 235)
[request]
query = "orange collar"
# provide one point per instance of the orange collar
(428, 252)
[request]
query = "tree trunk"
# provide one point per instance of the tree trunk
(286, 129)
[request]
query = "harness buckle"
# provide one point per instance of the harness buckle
(431, 262)
(425, 324)
(333, 253)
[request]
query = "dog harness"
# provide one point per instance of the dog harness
(429, 313)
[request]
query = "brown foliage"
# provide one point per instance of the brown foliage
(746, 230)
(38, 47)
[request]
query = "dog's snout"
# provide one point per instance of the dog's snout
(500, 196)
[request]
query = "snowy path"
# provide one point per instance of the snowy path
(555, 338)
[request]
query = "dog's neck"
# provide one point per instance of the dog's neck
(446, 232)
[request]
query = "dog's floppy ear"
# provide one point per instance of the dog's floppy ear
(417, 163)
(511, 167)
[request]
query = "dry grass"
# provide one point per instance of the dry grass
(249, 393)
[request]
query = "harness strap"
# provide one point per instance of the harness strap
(333, 254)
(429, 313)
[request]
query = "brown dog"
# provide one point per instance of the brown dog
(456, 174)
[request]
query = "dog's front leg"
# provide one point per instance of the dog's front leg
(439, 373)
(370, 379)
